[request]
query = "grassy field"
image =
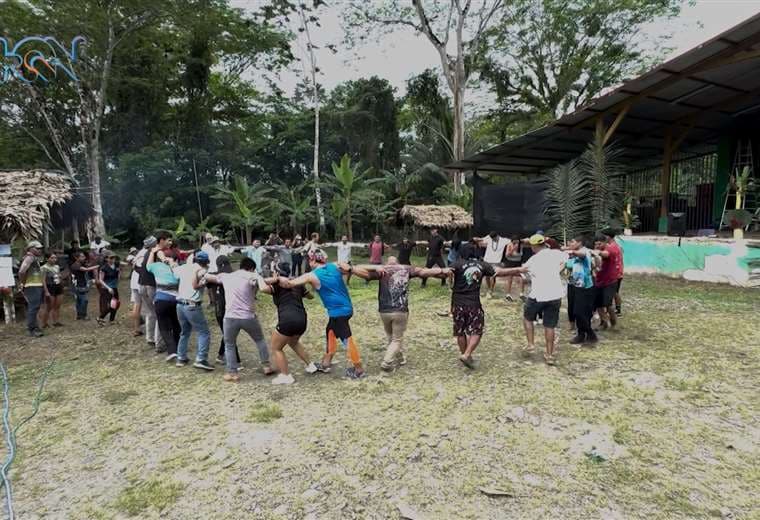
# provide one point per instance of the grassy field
(662, 420)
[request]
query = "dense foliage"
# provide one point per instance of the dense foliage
(179, 122)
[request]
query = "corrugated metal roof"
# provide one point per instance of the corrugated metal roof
(703, 90)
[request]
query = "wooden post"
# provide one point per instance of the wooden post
(667, 156)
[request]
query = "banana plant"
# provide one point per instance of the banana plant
(351, 184)
(244, 205)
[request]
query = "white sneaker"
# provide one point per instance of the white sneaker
(283, 379)
(310, 368)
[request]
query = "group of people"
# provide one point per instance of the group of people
(168, 284)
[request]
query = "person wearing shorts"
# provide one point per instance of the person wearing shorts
(51, 272)
(608, 277)
(545, 297)
(466, 309)
(291, 323)
(513, 258)
(327, 280)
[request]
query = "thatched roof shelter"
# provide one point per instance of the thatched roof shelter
(27, 197)
(443, 217)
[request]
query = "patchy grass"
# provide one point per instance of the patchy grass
(116, 397)
(142, 496)
(264, 413)
(660, 421)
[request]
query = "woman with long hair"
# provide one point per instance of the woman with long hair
(108, 285)
(291, 323)
(220, 306)
(53, 286)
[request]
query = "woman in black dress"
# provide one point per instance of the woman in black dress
(291, 323)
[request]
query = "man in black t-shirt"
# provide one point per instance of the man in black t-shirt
(469, 320)
(435, 254)
(405, 248)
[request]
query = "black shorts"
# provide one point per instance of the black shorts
(468, 321)
(549, 310)
(618, 284)
(291, 323)
(55, 290)
(605, 295)
(291, 327)
(339, 326)
(512, 263)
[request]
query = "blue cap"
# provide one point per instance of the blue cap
(202, 256)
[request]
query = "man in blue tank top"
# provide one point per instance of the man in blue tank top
(327, 281)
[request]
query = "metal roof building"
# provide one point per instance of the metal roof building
(701, 103)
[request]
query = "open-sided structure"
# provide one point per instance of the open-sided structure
(685, 126)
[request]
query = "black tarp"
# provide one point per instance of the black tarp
(508, 209)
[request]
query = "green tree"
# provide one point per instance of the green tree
(546, 58)
(454, 29)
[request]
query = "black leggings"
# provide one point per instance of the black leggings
(437, 261)
(220, 321)
(168, 323)
(570, 303)
(296, 268)
(105, 303)
(583, 310)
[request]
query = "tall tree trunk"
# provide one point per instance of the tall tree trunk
(98, 223)
(315, 95)
(458, 137)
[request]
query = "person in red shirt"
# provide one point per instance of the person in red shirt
(376, 250)
(608, 277)
(609, 234)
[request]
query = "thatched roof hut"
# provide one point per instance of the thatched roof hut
(442, 217)
(27, 198)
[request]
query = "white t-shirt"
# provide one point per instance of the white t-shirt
(344, 252)
(544, 269)
(97, 248)
(186, 274)
(494, 249)
(212, 254)
(134, 261)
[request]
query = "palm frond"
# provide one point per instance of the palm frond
(568, 199)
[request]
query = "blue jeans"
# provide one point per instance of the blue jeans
(82, 295)
(33, 297)
(192, 317)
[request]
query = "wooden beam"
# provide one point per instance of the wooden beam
(667, 156)
(615, 123)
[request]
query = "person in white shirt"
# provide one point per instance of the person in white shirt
(545, 296)
(494, 246)
(98, 245)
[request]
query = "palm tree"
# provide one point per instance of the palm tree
(351, 185)
(244, 205)
(568, 201)
(294, 205)
(602, 167)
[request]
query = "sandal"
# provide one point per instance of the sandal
(467, 361)
(549, 359)
(529, 349)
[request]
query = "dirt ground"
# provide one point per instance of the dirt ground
(662, 420)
